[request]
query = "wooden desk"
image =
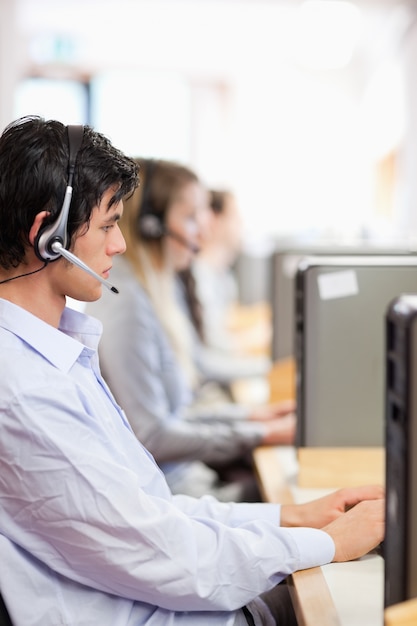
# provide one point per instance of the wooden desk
(282, 381)
(310, 594)
(277, 386)
(329, 595)
(402, 614)
(251, 327)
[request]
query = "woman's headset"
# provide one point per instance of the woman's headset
(149, 223)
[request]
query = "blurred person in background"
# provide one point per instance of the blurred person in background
(234, 340)
(147, 348)
(217, 287)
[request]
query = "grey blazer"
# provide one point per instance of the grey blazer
(141, 369)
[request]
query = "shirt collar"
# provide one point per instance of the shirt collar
(62, 346)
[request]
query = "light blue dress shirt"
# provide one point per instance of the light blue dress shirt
(89, 531)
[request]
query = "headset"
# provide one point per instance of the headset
(51, 241)
(56, 233)
(150, 224)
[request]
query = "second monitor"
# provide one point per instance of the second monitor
(339, 345)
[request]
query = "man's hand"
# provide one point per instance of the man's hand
(321, 512)
(358, 531)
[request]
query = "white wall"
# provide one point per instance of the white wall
(407, 214)
(9, 59)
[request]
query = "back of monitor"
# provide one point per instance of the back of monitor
(340, 309)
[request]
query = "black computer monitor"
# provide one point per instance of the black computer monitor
(400, 544)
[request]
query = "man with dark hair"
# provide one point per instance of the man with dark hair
(89, 531)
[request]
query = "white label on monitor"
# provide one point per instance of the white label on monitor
(337, 285)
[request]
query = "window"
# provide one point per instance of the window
(66, 100)
(144, 113)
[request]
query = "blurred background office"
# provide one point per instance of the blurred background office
(307, 110)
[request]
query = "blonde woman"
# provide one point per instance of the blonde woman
(147, 348)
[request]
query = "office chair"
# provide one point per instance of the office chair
(4, 615)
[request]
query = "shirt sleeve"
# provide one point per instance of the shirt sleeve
(236, 514)
(223, 366)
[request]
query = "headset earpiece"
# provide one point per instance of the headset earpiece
(57, 231)
(151, 227)
(149, 223)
